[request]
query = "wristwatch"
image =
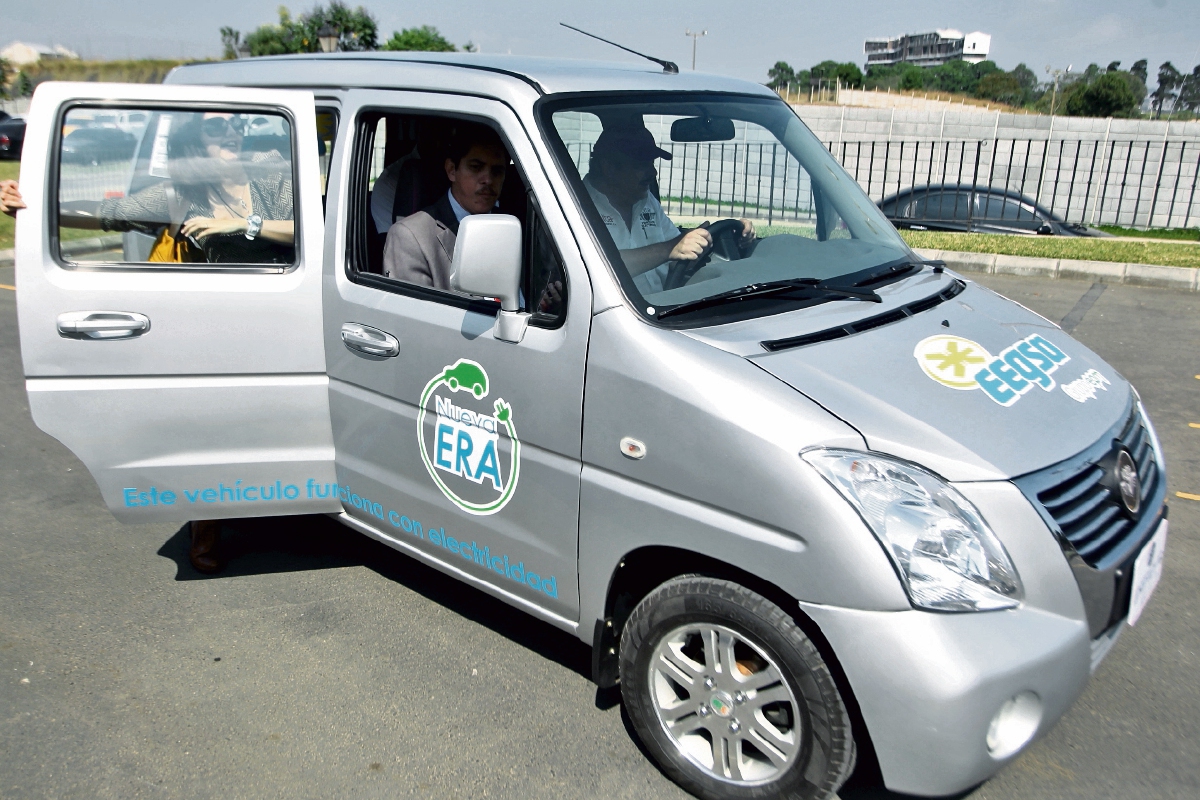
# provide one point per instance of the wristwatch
(253, 226)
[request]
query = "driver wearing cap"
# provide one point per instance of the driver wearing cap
(619, 180)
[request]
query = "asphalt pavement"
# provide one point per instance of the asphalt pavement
(321, 664)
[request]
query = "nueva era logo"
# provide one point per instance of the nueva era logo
(464, 448)
(963, 364)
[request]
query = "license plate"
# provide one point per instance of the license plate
(1147, 569)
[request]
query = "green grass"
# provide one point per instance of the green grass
(1177, 234)
(1163, 253)
(9, 170)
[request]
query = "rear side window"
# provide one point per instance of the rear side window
(182, 188)
(942, 205)
(1003, 208)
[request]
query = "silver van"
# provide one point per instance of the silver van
(808, 498)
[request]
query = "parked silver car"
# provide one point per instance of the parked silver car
(808, 498)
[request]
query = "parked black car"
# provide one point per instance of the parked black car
(12, 137)
(975, 209)
(96, 145)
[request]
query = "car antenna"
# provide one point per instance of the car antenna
(669, 67)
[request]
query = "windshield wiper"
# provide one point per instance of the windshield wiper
(888, 273)
(810, 286)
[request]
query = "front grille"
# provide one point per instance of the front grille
(1089, 513)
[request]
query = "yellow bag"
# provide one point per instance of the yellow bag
(171, 250)
(168, 247)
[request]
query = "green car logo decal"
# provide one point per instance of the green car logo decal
(465, 444)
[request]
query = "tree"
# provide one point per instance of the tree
(1026, 77)
(1189, 90)
(1090, 74)
(780, 75)
(847, 74)
(5, 72)
(1169, 79)
(357, 30)
(229, 43)
(425, 38)
(23, 85)
(958, 76)
(1107, 96)
(1003, 87)
(1140, 70)
(912, 78)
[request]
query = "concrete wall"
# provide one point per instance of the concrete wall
(1134, 173)
(845, 123)
(18, 106)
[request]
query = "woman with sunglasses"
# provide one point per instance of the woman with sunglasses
(227, 208)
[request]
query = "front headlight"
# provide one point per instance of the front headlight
(947, 557)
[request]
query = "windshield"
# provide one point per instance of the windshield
(696, 196)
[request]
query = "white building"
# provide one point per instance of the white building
(21, 53)
(928, 49)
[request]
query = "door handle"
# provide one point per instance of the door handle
(369, 341)
(102, 325)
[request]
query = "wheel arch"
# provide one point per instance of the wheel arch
(642, 570)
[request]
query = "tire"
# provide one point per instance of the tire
(761, 719)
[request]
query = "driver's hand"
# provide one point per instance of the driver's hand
(551, 297)
(748, 234)
(691, 245)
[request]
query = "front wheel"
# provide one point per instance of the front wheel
(730, 696)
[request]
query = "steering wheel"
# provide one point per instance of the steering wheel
(727, 242)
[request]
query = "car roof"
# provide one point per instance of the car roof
(979, 188)
(497, 75)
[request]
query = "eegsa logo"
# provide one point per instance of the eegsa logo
(965, 365)
(471, 451)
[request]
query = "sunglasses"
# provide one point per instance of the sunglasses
(216, 127)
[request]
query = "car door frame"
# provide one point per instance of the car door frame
(342, 284)
(227, 386)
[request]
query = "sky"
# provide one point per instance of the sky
(744, 38)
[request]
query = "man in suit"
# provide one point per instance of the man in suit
(420, 247)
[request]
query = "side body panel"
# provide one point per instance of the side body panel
(722, 475)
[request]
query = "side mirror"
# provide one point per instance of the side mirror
(487, 263)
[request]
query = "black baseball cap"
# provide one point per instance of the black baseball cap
(634, 142)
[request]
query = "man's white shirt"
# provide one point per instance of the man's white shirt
(460, 213)
(651, 225)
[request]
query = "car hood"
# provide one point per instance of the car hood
(931, 388)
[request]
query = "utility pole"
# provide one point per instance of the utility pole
(694, 36)
(1057, 74)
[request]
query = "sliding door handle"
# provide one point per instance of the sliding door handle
(369, 341)
(102, 325)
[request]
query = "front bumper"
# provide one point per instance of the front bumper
(930, 684)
